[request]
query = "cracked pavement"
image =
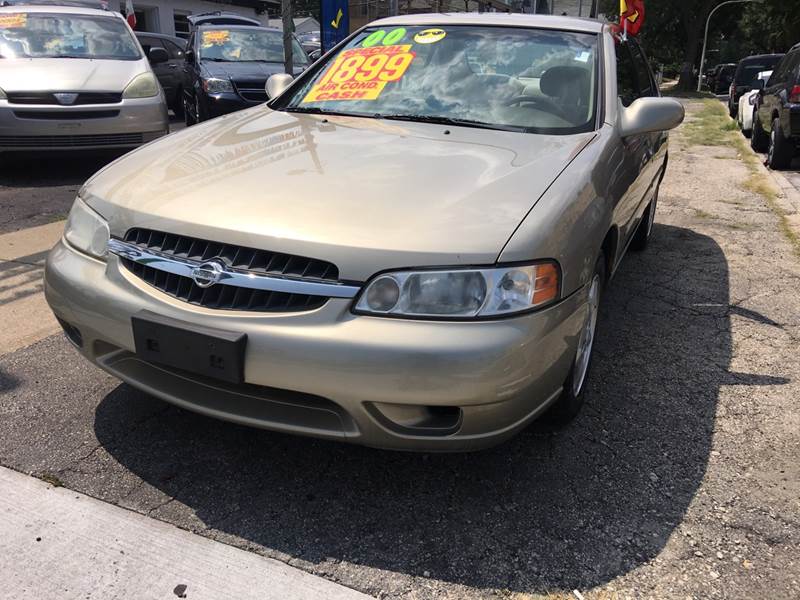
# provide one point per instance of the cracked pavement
(679, 479)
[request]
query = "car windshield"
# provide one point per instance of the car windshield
(529, 80)
(246, 45)
(60, 35)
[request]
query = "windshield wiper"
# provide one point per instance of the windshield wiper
(451, 121)
(69, 56)
(314, 110)
(216, 59)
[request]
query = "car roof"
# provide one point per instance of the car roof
(54, 8)
(756, 57)
(162, 36)
(498, 19)
(223, 26)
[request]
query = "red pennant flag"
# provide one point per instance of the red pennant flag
(129, 14)
(631, 16)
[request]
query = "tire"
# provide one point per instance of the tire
(199, 111)
(569, 404)
(643, 232)
(178, 104)
(781, 150)
(187, 112)
(759, 140)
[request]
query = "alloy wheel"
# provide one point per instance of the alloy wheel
(586, 340)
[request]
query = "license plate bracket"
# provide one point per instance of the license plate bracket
(195, 348)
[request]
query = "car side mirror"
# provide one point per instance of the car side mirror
(759, 85)
(277, 84)
(157, 56)
(189, 57)
(649, 115)
(314, 54)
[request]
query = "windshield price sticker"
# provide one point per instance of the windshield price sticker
(13, 20)
(215, 38)
(362, 73)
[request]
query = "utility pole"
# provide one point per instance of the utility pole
(288, 29)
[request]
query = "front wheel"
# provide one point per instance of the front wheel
(569, 404)
(759, 140)
(780, 149)
(188, 111)
(642, 236)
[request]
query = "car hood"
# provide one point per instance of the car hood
(244, 70)
(365, 194)
(68, 74)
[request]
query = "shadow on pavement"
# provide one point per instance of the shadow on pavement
(571, 509)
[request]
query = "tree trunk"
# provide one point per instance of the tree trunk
(687, 80)
(288, 29)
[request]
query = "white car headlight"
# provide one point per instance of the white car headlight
(461, 293)
(217, 86)
(86, 230)
(144, 85)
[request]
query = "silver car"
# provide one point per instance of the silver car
(73, 77)
(406, 248)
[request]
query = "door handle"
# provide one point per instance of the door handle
(173, 66)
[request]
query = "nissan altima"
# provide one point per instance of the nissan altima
(406, 247)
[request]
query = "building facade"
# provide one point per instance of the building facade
(169, 16)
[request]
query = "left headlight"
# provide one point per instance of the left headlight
(86, 230)
(144, 85)
(461, 293)
(214, 85)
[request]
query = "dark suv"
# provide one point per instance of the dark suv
(745, 78)
(228, 61)
(776, 124)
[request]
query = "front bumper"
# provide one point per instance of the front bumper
(329, 373)
(225, 103)
(125, 124)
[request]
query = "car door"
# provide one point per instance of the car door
(175, 67)
(165, 75)
(771, 99)
(635, 170)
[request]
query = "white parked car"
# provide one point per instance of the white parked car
(747, 105)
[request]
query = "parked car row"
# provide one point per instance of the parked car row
(75, 76)
(768, 109)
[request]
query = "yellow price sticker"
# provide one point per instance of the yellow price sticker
(215, 38)
(362, 73)
(13, 20)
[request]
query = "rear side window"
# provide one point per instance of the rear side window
(783, 72)
(643, 78)
(626, 75)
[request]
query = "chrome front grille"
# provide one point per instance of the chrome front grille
(49, 98)
(237, 257)
(246, 279)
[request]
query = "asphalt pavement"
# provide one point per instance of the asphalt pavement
(679, 479)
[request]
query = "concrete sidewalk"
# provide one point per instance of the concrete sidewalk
(24, 315)
(56, 543)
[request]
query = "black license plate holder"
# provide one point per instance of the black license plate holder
(195, 348)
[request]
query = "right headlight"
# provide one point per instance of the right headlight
(86, 230)
(461, 293)
(214, 85)
(144, 85)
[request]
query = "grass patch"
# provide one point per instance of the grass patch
(701, 214)
(712, 126)
(673, 92)
(48, 477)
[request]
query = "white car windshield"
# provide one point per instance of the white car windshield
(518, 79)
(60, 35)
